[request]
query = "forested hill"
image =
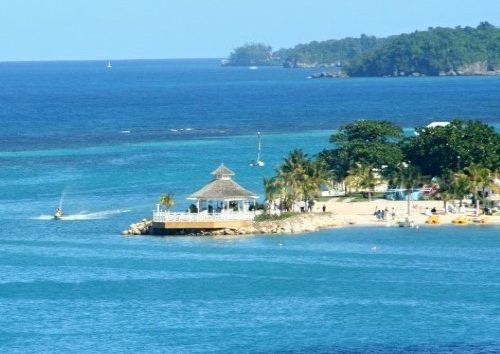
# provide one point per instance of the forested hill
(330, 52)
(437, 51)
(326, 53)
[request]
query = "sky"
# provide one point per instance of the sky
(157, 29)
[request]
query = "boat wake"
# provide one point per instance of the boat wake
(84, 215)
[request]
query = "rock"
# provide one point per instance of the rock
(329, 74)
(305, 222)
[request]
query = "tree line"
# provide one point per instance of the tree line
(460, 158)
(315, 53)
(435, 51)
(432, 52)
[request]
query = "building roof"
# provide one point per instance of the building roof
(437, 124)
(222, 189)
(222, 171)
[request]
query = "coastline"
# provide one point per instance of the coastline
(339, 214)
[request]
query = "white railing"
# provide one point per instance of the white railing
(167, 216)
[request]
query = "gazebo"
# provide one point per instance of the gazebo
(222, 203)
(223, 194)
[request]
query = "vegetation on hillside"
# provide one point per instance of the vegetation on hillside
(333, 51)
(330, 52)
(433, 52)
(437, 51)
(252, 54)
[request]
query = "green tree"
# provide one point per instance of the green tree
(408, 177)
(167, 200)
(252, 54)
(328, 52)
(446, 194)
(273, 189)
(437, 50)
(362, 176)
(297, 178)
(293, 174)
(438, 151)
(480, 179)
(460, 186)
(366, 142)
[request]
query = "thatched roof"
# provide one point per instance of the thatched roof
(222, 187)
(222, 171)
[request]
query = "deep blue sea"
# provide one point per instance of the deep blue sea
(105, 143)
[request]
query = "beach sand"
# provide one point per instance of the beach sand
(362, 213)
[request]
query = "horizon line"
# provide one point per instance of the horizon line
(105, 60)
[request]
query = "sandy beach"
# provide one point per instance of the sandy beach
(362, 213)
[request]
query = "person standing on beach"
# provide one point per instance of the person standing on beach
(324, 208)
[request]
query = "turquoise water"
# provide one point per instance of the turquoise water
(105, 144)
(327, 292)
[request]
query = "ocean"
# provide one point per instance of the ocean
(105, 143)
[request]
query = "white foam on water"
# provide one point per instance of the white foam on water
(63, 196)
(84, 215)
(43, 217)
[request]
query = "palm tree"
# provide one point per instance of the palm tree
(480, 179)
(316, 175)
(446, 194)
(407, 177)
(293, 173)
(273, 189)
(167, 200)
(362, 176)
(297, 178)
(460, 186)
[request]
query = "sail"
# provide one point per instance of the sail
(259, 146)
(258, 162)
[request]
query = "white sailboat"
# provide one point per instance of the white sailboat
(109, 65)
(258, 162)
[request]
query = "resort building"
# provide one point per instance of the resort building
(222, 203)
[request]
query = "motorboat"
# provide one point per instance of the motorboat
(58, 214)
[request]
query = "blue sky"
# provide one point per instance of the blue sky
(126, 29)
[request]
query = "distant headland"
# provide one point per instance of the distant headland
(438, 51)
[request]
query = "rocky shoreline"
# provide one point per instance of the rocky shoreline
(307, 222)
(329, 74)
